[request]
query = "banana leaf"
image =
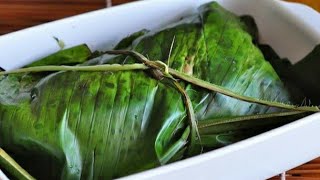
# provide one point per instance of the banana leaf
(307, 68)
(97, 122)
(70, 56)
(302, 78)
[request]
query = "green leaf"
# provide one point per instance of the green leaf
(307, 75)
(9, 89)
(108, 124)
(75, 55)
(251, 27)
(127, 42)
(301, 79)
(283, 68)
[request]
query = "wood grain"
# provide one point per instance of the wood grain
(308, 171)
(312, 3)
(19, 14)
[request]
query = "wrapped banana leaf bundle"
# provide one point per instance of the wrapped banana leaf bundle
(160, 96)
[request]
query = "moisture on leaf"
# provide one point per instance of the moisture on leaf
(204, 84)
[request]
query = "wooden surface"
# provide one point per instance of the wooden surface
(19, 14)
(308, 171)
(315, 4)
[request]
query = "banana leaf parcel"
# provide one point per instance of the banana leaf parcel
(160, 96)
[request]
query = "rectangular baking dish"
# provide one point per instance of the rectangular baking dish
(291, 29)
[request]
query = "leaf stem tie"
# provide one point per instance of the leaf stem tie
(160, 71)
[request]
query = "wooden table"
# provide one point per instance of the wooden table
(19, 14)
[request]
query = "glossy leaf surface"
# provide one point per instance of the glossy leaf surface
(103, 125)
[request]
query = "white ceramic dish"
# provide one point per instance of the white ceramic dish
(3, 176)
(292, 29)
